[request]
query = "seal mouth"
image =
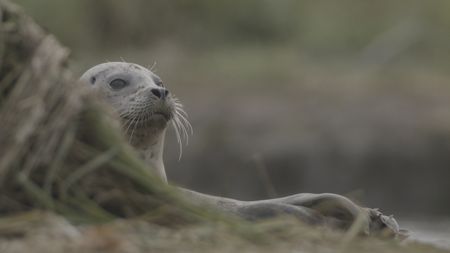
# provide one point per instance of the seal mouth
(153, 116)
(165, 115)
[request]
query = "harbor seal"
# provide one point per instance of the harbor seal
(146, 108)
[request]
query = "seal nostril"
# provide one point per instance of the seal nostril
(160, 93)
(156, 92)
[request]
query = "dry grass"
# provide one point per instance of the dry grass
(45, 232)
(60, 151)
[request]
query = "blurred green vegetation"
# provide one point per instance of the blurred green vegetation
(323, 28)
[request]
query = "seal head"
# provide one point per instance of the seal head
(143, 104)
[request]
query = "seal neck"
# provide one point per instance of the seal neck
(153, 157)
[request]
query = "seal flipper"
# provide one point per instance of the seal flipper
(385, 226)
(267, 210)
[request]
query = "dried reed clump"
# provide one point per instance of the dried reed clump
(57, 149)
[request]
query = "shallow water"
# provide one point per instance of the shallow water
(434, 231)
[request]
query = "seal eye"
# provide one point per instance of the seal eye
(93, 79)
(118, 84)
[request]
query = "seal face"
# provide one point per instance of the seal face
(139, 97)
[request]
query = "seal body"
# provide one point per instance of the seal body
(146, 107)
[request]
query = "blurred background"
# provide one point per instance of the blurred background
(289, 96)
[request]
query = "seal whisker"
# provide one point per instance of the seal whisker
(180, 109)
(125, 115)
(125, 123)
(122, 111)
(177, 133)
(184, 119)
(178, 125)
(188, 125)
(182, 126)
(153, 66)
(183, 129)
(128, 125)
(127, 118)
(138, 117)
